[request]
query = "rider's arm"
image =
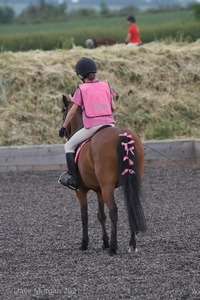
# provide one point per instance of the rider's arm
(70, 114)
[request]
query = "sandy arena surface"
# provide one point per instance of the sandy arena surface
(41, 234)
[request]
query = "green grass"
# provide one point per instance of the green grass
(49, 36)
(113, 22)
(148, 18)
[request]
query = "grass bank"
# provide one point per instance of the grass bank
(157, 87)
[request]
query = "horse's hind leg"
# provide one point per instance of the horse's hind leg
(132, 243)
(134, 232)
(82, 196)
(102, 219)
(108, 197)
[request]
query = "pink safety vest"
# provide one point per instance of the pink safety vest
(96, 98)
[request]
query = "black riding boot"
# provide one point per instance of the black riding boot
(71, 182)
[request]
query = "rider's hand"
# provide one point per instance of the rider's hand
(62, 132)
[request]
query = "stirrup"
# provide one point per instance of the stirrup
(66, 182)
(59, 179)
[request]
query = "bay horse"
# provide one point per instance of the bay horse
(92, 43)
(113, 157)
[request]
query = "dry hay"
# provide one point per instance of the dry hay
(157, 87)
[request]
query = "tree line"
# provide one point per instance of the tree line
(44, 12)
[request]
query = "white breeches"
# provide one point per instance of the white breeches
(80, 136)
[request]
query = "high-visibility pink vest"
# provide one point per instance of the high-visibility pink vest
(96, 98)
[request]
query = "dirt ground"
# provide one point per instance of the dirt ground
(41, 234)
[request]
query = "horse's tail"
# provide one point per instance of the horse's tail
(129, 178)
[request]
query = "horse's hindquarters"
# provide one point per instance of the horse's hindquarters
(99, 163)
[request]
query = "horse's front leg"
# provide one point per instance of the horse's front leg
(82, 196)
(108, 197)
(102, 219)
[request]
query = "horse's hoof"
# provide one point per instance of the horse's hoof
(131, 249)
(83, 247)
(105, 245)
(112, 252)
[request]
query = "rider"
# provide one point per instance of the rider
(96, 101)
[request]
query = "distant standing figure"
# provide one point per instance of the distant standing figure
(133, 35)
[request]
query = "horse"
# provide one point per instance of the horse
(92, 43)
(113, 157)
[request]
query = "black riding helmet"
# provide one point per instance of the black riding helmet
(85, 66)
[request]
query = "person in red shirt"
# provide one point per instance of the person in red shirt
(133, 35)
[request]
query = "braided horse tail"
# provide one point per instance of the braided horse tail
(131, 183)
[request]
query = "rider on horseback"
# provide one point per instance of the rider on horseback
(96, 101)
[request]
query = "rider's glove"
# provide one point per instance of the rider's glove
(62, 132)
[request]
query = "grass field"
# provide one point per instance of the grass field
(47, 36)
(143, 19)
